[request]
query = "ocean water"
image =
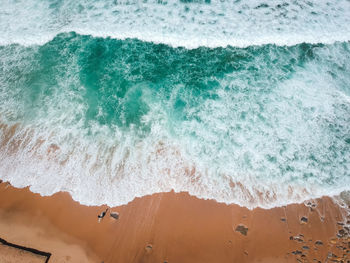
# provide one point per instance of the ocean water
(244, 102)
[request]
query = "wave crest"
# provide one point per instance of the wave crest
(109, 120)
(179, 23)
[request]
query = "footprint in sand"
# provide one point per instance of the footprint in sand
(149, 248)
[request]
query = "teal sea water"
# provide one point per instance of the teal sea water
(245, 103)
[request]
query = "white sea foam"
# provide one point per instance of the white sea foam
(247, 146)
(177, 23)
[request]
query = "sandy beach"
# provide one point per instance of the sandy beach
(171, 227)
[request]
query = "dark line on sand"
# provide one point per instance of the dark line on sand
(32, 250)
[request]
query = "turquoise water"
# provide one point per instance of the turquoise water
(264, 121)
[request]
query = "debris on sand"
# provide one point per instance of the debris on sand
(102, 215)
(242, 229)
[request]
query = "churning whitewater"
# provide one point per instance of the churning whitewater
(241, 102)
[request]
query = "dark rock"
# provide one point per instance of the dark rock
(305, 247)
(115, 215)
(319, 243)
(297, 238)
(339, 247)
(242, 229)
(304, 219)
(283, 219)
(297, 252)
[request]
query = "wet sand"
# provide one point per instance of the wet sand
(174, 227)
(10, 255)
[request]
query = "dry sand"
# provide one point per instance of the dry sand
(174, 227)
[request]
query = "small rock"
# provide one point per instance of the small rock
(304, 219)
(339, 247)
(305, 247)
(297, 252)
(283, 219)
(242, 229)
(115, 215)
(319, 243)
(297, 238)
(341, 232)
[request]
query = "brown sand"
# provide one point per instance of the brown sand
(174, 227)
(10, 255)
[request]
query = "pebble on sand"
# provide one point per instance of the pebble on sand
(115, 215)
(242, 229)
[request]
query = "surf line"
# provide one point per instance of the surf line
(32, 250)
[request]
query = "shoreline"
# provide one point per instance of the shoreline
(174, 227)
